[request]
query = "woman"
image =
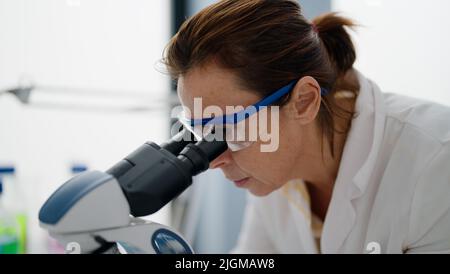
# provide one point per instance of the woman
(355, 170)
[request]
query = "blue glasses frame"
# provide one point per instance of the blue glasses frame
(250, 110)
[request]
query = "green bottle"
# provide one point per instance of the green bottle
(14, 208)
(9, 229)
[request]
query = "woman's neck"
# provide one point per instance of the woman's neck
(326, 171)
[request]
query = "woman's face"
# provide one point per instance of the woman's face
(250, 168)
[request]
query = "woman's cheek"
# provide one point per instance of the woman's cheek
(247, 161)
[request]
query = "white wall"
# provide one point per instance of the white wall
(95, 44)
(404, 45)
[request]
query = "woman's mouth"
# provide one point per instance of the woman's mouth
(241, 182)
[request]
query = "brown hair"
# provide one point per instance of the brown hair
(267, 44)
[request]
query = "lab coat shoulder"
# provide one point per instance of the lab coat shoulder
(425, 117)
(421, 141)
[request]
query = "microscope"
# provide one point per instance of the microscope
(98, 212)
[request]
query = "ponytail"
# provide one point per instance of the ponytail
(337, 41)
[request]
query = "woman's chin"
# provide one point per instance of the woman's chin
(260, 190)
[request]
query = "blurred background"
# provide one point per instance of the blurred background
(81, 87)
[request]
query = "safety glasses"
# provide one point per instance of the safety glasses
(232, 126)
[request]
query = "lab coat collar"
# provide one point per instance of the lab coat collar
(370, 106)
(357, 162)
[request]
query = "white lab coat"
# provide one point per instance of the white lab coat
(391, 195)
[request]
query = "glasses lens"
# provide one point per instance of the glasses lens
(236, 135)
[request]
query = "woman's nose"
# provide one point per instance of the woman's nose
(223, 159)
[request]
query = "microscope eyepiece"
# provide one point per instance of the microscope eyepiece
(154, 175)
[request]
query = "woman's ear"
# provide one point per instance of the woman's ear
(305, 99)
